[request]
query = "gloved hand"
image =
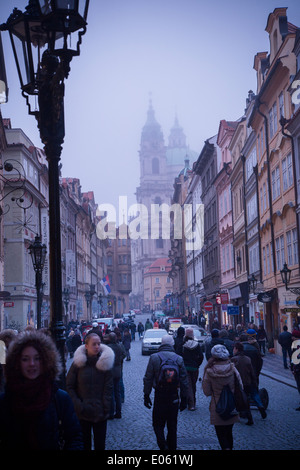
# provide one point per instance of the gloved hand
(147, 401)
(183, 404)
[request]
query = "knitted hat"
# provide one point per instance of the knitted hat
(296, 333)
(189, 332)
(219, 351)
(251, 332)
(214, 333)
(167, 339)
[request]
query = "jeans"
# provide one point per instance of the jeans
(252, 391)
(192, 376)
(285, 352)
(116, 398)
(165, 412)
(99, 432)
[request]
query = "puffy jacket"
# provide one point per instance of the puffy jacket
(192, 354)
(90, 384)
(12, 434)
(216, 375)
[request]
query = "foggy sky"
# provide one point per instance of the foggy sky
(195, 57)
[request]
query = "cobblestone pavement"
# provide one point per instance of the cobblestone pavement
(279, 431)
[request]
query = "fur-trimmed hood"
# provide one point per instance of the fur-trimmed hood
(104, 363)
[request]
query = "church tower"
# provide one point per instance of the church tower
(159, 165)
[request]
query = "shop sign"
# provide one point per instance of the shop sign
(265, 296)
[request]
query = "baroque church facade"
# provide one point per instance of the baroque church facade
(160, 164)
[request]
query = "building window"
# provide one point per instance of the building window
(275, 183)
(295, 246)
(273, 119)
(287, 172)
(289, 248)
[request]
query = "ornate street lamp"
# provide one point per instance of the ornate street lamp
(38, 253)
(285, 275)
(42, 39)
(252, 283)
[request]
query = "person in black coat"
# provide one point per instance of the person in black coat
(32, 406)
(192, 357)
(215, 339)
(285, 340)
(178, 342)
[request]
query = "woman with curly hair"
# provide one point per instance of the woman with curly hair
(34, 413)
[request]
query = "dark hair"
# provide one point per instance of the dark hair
(46, 348)
(239, 346)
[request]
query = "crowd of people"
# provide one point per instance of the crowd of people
(35, 413)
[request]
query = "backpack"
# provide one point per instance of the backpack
(168, 376)
(226, 404)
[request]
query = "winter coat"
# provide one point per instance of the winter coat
(127, 341)
(244, 366)
(192, 354)
(153, 368)
(216, 375)
(120, 355)
(12, 435)
(251, 351)
(285, 339)
(179, 340)
(90, 383)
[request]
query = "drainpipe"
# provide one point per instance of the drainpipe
(269, 184)
(283, 122)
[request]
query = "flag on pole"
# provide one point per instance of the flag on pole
(106, 285)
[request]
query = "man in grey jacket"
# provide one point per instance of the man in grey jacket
(167, 400)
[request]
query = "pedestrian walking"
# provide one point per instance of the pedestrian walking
(215, 339)
(178, 342)
(120, 355)
(261, 339)
(34, 413)
(244, 366)
(148, 324)
(219, 372)
(90, 384)
(285, 340)
(192, 357)
(295, 360)
(140, 329)
(169, 395)
(229, 343)
(127, 343)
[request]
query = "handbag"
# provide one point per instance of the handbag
(240, 397)
(225, 407)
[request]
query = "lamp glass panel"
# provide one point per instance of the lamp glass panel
(46, 6)
(66, 5)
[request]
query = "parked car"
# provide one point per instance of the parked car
(200, 334)
(152, 340)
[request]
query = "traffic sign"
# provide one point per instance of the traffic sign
(233, 310)
(208, 306)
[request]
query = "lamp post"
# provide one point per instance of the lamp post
(38, 252)
(42, 39)
(89, 293)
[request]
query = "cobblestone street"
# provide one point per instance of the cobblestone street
(279, 431)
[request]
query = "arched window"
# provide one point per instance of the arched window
(155, 166)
